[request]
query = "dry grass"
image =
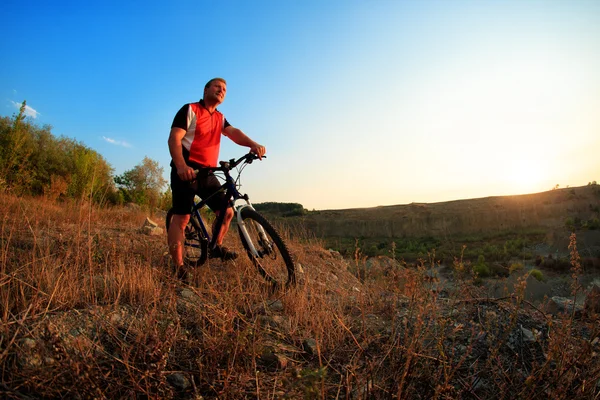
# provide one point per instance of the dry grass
(89, 309)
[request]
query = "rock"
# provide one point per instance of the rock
(29, 358)
(460, 349)
(272, 360)
(592, 301)
(133, 206)
(151, 228)
(265, 307)
(336, 254)
(534, 290)
(527, 335)
(267, 321)
(431, 275)
(189, 295)
(116, 318)
(282, 322)
(310, 347)
(559, 305)
(276, 306)
(178, 381)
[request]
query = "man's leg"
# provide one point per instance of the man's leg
(225, 226)
(176, 238)
(207, 186)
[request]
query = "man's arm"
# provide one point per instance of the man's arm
(240, 138)
(185, 172)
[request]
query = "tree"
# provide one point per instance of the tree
(166, 200)
(143, 184)
(16, 147)
(33, 161)
(90, 174)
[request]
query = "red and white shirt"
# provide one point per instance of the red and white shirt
(203, 131)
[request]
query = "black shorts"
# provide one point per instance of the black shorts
(205, 185)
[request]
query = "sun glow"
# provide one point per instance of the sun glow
(524, 175)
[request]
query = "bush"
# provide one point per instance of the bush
(539, 260)
(570, 224)
(558, 264)
(482, 270)
(537, 274)
(515, 267)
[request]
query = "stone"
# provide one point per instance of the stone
(559, 305)
(310, 346)
(267, 321)
(151, 228)
(272, 360)
(29, 358)
(592, 301)
(276, 306)
(178, 381)
(268, 306)
(336, 254)
(527, 335)
(189, 295)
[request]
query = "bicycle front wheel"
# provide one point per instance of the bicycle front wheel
(266, 249)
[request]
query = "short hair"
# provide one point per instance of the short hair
(212, 80)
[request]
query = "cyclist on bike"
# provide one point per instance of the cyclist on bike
(194, 144)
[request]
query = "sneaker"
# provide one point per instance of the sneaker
(181, 272)
(223, 253)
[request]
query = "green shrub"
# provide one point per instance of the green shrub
(515, 267)
(569, 224)
(482, 270)
(556, 264)
(537, 274)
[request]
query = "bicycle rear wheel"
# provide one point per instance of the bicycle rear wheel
(195, 250)
(272, 259)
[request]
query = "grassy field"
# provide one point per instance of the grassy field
(89, 309)
(502, 246)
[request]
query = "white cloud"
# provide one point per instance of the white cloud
(116, 142)
(29, 112)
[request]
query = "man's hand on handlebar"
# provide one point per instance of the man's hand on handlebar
(259, 150)
(187, 173)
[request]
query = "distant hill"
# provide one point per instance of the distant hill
(549, 216)
(549, 209)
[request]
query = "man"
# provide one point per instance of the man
(194, 143)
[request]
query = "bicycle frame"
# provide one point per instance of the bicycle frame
(232, 195)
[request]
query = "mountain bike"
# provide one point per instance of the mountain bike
(262, 243)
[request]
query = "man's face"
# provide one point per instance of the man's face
(215, 92)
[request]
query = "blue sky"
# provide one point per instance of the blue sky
(359, 103)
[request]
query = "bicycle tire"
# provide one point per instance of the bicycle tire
(274, 261)
(195, 244)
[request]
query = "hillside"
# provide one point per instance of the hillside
(548, 210)
(89, 308)
(541, 218)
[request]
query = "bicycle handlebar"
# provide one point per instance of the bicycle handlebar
(226, 166)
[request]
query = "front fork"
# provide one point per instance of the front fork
(261, 232)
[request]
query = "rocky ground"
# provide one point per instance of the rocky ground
(96, 313)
